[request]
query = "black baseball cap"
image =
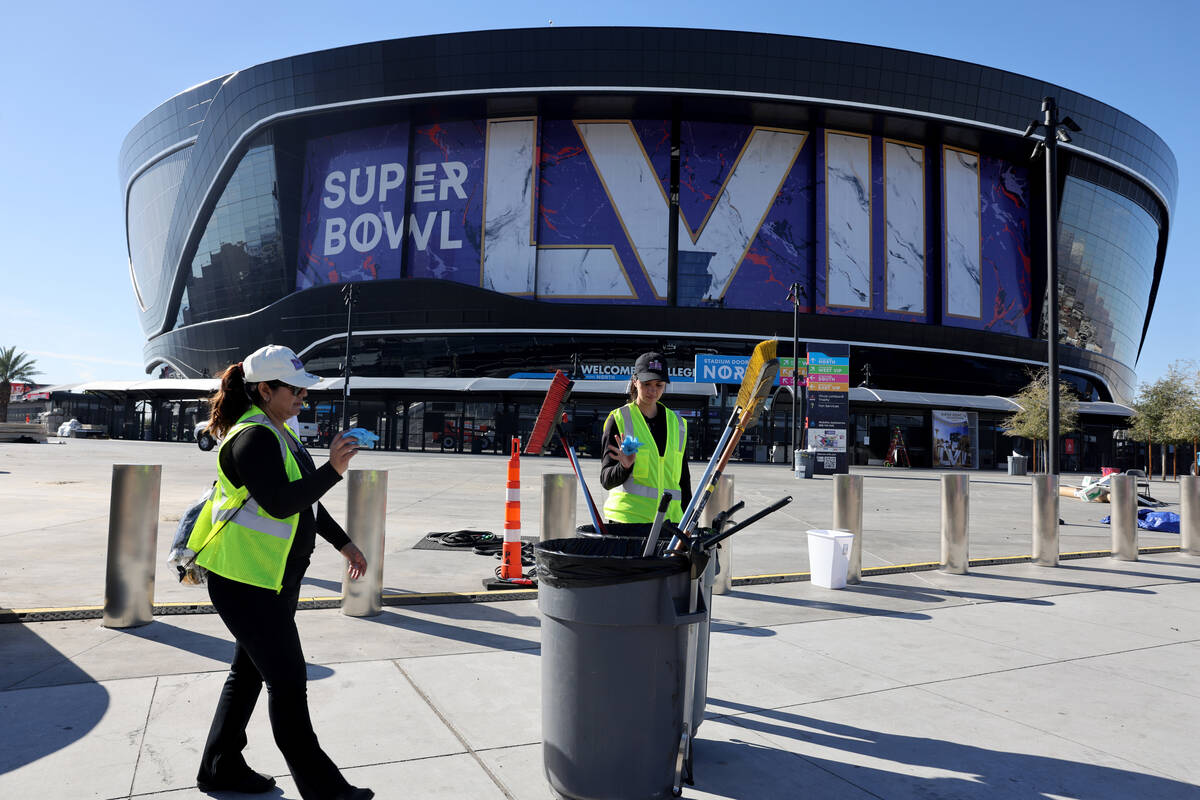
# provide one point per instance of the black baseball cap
(651, 367)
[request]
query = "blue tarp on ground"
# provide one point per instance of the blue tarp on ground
(1164, 521)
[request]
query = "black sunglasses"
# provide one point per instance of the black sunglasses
(296, 390)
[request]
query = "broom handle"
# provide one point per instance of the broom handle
(707, 491)
(708, 471)
(591, 504)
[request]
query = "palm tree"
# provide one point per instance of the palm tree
(14, 368)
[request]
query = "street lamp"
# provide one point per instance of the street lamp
(348, 298)
(794, 297)
(1054, 131)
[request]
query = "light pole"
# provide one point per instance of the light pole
(348, 298)
(794, 296)
(1054, 131)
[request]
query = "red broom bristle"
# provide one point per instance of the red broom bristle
(549, 414)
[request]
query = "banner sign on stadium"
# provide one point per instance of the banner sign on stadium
(576, 211)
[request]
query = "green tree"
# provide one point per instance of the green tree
(1032, 420)
(14, 368)
(1182, 422)
(1157, 411)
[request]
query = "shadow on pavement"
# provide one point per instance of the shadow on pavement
(41, 721)
(966, 771)
(404, 619)
(202, 644)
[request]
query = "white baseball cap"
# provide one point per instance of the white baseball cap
(277, 363)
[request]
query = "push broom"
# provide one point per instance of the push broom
(756, 385)
(549, 419)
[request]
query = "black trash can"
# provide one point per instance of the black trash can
(614, 661)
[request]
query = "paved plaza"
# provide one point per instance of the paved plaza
(1014, 681)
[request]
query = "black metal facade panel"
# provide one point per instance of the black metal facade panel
(305, 318)
(816, 72)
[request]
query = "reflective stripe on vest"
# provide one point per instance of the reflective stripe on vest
(251, 546)
(636, 500)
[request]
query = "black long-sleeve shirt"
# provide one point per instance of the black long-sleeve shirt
(613, 474)
(253, 459)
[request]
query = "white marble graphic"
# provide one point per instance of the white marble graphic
(565, 272)
(636, 193)
(904, 171)
(509, 258)
(964, 288)
(848, 221)
(730, 227)
(741, 207)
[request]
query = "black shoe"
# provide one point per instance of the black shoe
(354, 793)
(247, 782)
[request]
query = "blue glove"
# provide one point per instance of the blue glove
(365, 438)
(630, 445)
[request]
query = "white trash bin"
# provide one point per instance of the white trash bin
(829, 557)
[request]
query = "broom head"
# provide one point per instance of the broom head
(550, 413)
(765, 382)
(763, 352)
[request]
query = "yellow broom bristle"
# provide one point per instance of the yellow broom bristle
(763, 352)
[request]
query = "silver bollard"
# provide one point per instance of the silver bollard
(1045, 520)
(956, 501)
(1123, 521)
(366, 513)
(722, 498)
(847, 516)
(132, 543)
(1189, 515)
(558, 506)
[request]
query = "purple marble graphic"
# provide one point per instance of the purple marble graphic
(780, 250)
(574, 209)
(446, 212)
(1004, 227)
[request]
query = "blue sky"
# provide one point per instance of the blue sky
(76, 76)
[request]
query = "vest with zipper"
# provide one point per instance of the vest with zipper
(637, 499)
(233, 536)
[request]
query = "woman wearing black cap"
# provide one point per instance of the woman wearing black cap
(636, 481)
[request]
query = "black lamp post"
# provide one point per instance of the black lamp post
(1054, 131)
(348, 292)
(794, 296)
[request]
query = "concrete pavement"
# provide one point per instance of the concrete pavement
(1014, 681)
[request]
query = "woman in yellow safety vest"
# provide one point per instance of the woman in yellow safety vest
(636, 481)
(266, 516)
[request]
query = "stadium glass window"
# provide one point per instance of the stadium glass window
(239, 264)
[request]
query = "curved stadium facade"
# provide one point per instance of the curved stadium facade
(514, 202)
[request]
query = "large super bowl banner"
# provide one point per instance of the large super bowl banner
(578, 211)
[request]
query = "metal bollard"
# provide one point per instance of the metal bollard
(955, 518)
(366, 512)
(847, 516)
(132, 542)
(1045, 520)
(722, 498)
(1123, 521)
(558, 506)
(1189, 515)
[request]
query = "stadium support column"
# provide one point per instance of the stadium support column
(348, 298)
(673, 217)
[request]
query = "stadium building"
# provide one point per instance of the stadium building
(508, 203)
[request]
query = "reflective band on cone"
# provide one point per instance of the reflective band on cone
(510, 555)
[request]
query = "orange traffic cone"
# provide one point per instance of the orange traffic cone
(510, 555)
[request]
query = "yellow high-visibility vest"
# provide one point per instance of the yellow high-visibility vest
(637, 499)
(250, 545)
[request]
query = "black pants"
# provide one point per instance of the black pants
(267, 649)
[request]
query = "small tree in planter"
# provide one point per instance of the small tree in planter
(1032, 420)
